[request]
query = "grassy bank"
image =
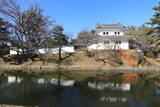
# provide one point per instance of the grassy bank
(108, 58)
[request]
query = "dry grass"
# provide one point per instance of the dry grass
(152, 62)
(81, 59)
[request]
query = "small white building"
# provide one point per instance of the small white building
(65, 49)
(15, 51)
(109, 36)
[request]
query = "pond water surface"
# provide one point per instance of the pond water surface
(28, 90)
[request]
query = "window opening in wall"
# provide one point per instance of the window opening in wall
(118, 42)
(115, 33)
(104, 33)
(107, 42)
(118, 33)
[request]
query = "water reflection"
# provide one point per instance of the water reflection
(31, 90)
(113, 99)
(14, 79)
(113, 86)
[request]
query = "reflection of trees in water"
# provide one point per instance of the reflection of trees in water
(145, 90)
(14, 92)
(3, 78)
(142, 92)
(2, 96)
(96, 96)
(60, 73)
(146, 85)
(29, 92)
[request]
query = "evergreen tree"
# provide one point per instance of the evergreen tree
(4, 48)
(155, 22)
(60, 39)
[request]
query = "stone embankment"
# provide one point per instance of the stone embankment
(3, 105)
(80, 68)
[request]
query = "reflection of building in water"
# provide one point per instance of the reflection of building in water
(11, 79)
(113, 99)
(55, 82)
(14, 79)
(101, 86)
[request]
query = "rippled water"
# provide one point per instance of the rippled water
(34, 91)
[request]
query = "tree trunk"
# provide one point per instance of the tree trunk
(3, 58)
(60, 52)
(60, 55)
(59, 79)
(115, 47)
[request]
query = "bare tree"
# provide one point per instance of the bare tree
(30, 28)
(84, 36)
(110, 43)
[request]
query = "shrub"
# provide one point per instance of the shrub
(150, 54)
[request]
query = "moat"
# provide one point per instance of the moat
(31, 89)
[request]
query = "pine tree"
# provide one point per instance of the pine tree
(155, 22)
(61, 39)
(4, 32)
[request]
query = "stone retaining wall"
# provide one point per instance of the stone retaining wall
(3, 105)
(80, 68)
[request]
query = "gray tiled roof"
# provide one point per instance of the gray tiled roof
(110, 26)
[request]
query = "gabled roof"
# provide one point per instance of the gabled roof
(110, 26)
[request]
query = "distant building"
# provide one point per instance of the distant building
(109, 36)
(65, 49)
(15, 51)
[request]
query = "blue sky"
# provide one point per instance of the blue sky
(76, 15)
